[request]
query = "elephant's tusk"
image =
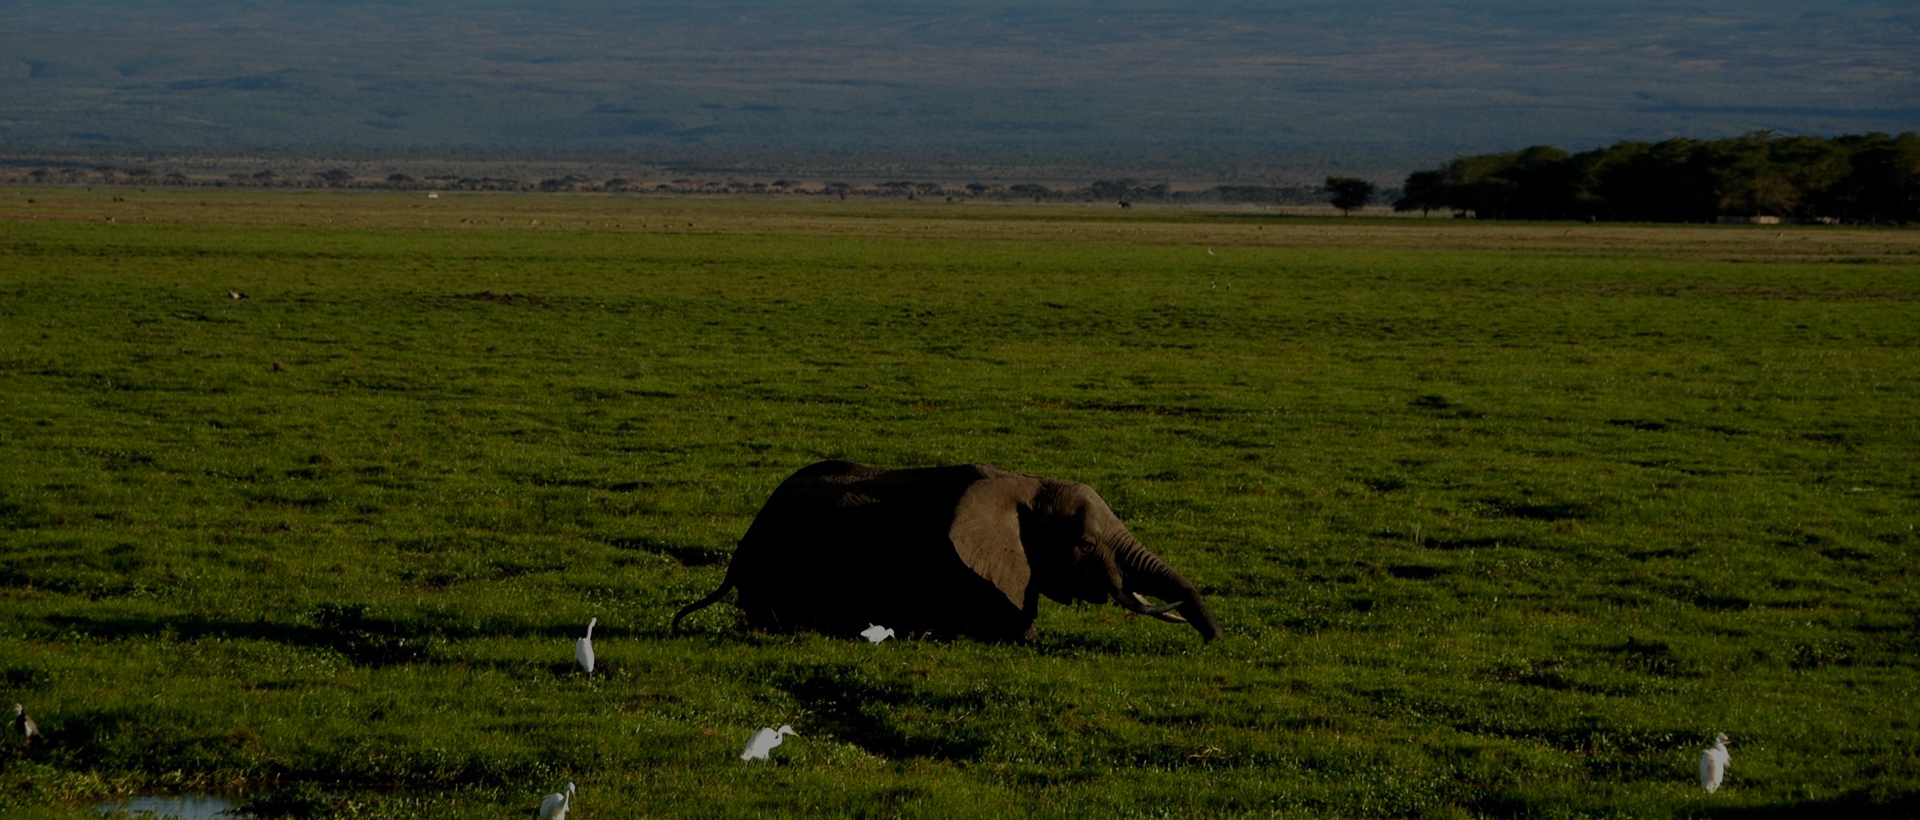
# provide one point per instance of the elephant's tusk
(1141, 605)
(1147, 607)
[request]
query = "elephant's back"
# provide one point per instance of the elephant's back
(840, 484)
(833, 470)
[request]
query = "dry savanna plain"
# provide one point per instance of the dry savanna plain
(1500, 519)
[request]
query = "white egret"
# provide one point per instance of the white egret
(876, 633)
(763, 742)
(583, 648)
(24, 725)
(1713, 764)
(555, 806)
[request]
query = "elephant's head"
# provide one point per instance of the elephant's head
(1033, 536)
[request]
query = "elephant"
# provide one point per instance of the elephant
(964, 550)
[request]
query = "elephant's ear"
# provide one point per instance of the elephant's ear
(986, 533)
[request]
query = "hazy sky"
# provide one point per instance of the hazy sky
(1153, 84)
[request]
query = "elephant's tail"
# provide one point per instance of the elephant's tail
(725, 587)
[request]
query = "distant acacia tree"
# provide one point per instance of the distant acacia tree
(1424, 191)
(1349, 194)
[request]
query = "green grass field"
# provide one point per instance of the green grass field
(1500, 519)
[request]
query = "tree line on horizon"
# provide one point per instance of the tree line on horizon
(1125, 191)
(1863, 178)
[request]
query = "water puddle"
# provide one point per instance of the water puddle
(174, 807)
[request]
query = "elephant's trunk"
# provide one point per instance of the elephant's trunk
(1142, 572)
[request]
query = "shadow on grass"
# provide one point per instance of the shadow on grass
(1068, 644)
(1547, 511)
(1852, 804)
(1650, 657)
(1415, 572)
(346, 629)
(1591, 740)
(349, 629)
(847, 702)
(689, 555)
(1508, 542)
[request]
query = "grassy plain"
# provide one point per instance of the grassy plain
(1500, 519)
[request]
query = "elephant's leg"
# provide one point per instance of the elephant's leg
(761, 612)
(994, 620)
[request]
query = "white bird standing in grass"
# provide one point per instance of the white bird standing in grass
(876, 633)
(583, 648)
(24, 725)
(555, 806)
(1713, 764)
(763, 742)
